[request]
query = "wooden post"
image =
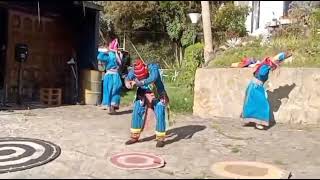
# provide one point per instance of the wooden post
(20, 84)
(124, 41)
(208, 46)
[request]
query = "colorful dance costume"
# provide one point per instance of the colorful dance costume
(112, 84)
(150, 88)
(256, 108)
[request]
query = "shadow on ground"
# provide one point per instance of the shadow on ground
(122, 112)
(184, 132)
(275, 97)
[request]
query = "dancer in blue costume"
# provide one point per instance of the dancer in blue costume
(256, 108)
(151, 89)
(112, 84)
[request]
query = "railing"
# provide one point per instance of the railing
(165, 74)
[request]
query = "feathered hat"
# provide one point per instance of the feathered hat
(140, 69)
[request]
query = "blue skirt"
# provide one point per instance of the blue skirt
(112, 86)
(256, 107)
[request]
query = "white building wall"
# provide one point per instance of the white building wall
(266, 14)
(266, 11)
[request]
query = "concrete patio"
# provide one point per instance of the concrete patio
(88, 136)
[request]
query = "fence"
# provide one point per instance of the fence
(169, 74)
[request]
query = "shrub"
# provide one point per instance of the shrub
(160, 52)
(304, 19)
(193, 59)
(229, 21)
(305, 52)
(315, 22)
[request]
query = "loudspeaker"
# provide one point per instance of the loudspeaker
(21, 52)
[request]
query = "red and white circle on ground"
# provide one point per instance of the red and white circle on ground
(137, 160)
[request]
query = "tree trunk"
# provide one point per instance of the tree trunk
(208, 46)
(176, 54)
(181, 54)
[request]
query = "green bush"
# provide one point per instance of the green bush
(300, 15)
(193, 59)
(188, 35)
(127, 97)
(304, 19)
(229, 22)
(315, 22)
(305, 52)
(156, 52)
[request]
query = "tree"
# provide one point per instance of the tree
(170, 17)
(127, 16)
(228, 21)
(208, 47)
(174, 18)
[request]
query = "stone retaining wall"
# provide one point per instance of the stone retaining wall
(294, 93)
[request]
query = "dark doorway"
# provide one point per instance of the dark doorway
(3, 44)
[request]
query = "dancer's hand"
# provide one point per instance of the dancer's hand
(129, 84)
(164, 99)
(138, 83)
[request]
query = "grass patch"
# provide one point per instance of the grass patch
(220, 131)
(305, 52)
(181, 99)
(215, 126)
(203, 176)
(227, 145)
(127, 97)
(279, 162)
(235, 150)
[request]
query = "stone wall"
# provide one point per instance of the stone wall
(294, 93)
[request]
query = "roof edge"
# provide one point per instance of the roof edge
(90, 5)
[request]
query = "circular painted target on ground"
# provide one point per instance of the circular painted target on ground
(136, 160)
(17, 154)
(247, 170)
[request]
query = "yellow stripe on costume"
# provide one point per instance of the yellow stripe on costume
(160, 134)
(135, 130)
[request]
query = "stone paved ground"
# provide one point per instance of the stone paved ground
(88, 137)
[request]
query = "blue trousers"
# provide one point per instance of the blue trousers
(112, 86)
(138, 115)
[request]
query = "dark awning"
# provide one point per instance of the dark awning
(90, 5)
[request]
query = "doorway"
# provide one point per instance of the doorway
(3, 44)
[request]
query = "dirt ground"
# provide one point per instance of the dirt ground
(88, 136)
